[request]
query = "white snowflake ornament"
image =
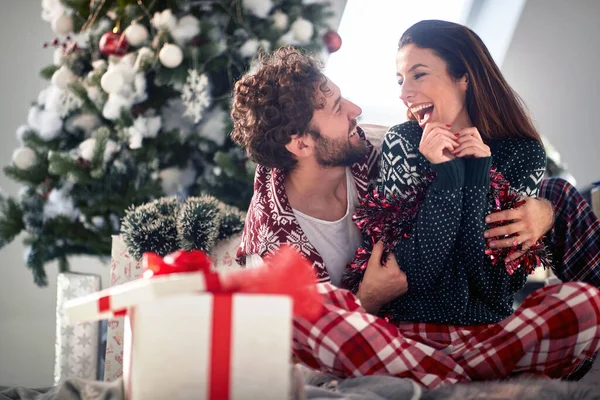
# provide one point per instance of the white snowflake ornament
(195, 95)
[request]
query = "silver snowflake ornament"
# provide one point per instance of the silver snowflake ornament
(195, 95)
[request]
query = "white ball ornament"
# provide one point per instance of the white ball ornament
(280, 20)
(303, 30)
(112, 81)
(170, 55)
(24, 158)
(136, 34)
(62, 25)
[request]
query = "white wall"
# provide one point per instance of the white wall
(553, 62)
(27, 322)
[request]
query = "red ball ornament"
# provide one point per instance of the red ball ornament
(333, 41)
(113, 44)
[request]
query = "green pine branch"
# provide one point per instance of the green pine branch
(64, 165)
(11, 220)
(47, 72)
(32, 176)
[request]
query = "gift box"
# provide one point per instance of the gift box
(206, 335)
(76, 346)
(123, 268)
(223, 255)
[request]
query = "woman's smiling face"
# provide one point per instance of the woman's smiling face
(427, 89)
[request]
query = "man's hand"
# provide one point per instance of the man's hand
(381, 283)
(529, 221)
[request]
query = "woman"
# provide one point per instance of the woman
(463, 119)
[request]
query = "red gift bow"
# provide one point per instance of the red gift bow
(285, 273)
(177, 262)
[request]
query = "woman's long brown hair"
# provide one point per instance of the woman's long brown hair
(493, 106)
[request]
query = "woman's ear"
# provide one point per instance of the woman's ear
(464, 82)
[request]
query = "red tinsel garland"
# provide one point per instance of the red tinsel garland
(503, 197)
(391, 219)
(386, 218)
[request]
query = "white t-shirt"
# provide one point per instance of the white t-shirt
(336, 241)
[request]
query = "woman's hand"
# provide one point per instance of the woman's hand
(437, 143)
(470, 144)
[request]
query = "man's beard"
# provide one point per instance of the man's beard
(338, 152)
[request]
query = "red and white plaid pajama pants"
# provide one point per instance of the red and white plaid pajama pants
(554, 329)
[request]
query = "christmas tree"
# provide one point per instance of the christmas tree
(136, 109)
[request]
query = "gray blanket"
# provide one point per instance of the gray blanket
(363, 388)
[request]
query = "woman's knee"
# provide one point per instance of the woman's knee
(583, 299)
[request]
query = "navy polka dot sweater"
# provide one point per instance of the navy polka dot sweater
(450, 279)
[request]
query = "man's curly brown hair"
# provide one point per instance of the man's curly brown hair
(276, 102)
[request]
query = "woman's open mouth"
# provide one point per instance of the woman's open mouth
(422, 113)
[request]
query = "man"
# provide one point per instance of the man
(313, 165)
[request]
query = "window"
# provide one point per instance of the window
(364, 68)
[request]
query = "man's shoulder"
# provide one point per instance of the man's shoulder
(270, 204)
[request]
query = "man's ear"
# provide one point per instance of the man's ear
(300, 145)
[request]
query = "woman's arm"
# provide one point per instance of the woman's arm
(522, 163)
(426, 255)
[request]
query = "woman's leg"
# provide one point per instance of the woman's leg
(555, 328)
(346, 341)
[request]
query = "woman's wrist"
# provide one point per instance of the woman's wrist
(449, 174)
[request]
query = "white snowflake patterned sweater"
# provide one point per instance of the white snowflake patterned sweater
(450, 279)
(270, 221)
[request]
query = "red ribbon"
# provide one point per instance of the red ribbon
(105, 306)
(177, 262)
(220, 357)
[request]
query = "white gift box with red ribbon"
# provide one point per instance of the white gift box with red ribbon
(181, 343)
